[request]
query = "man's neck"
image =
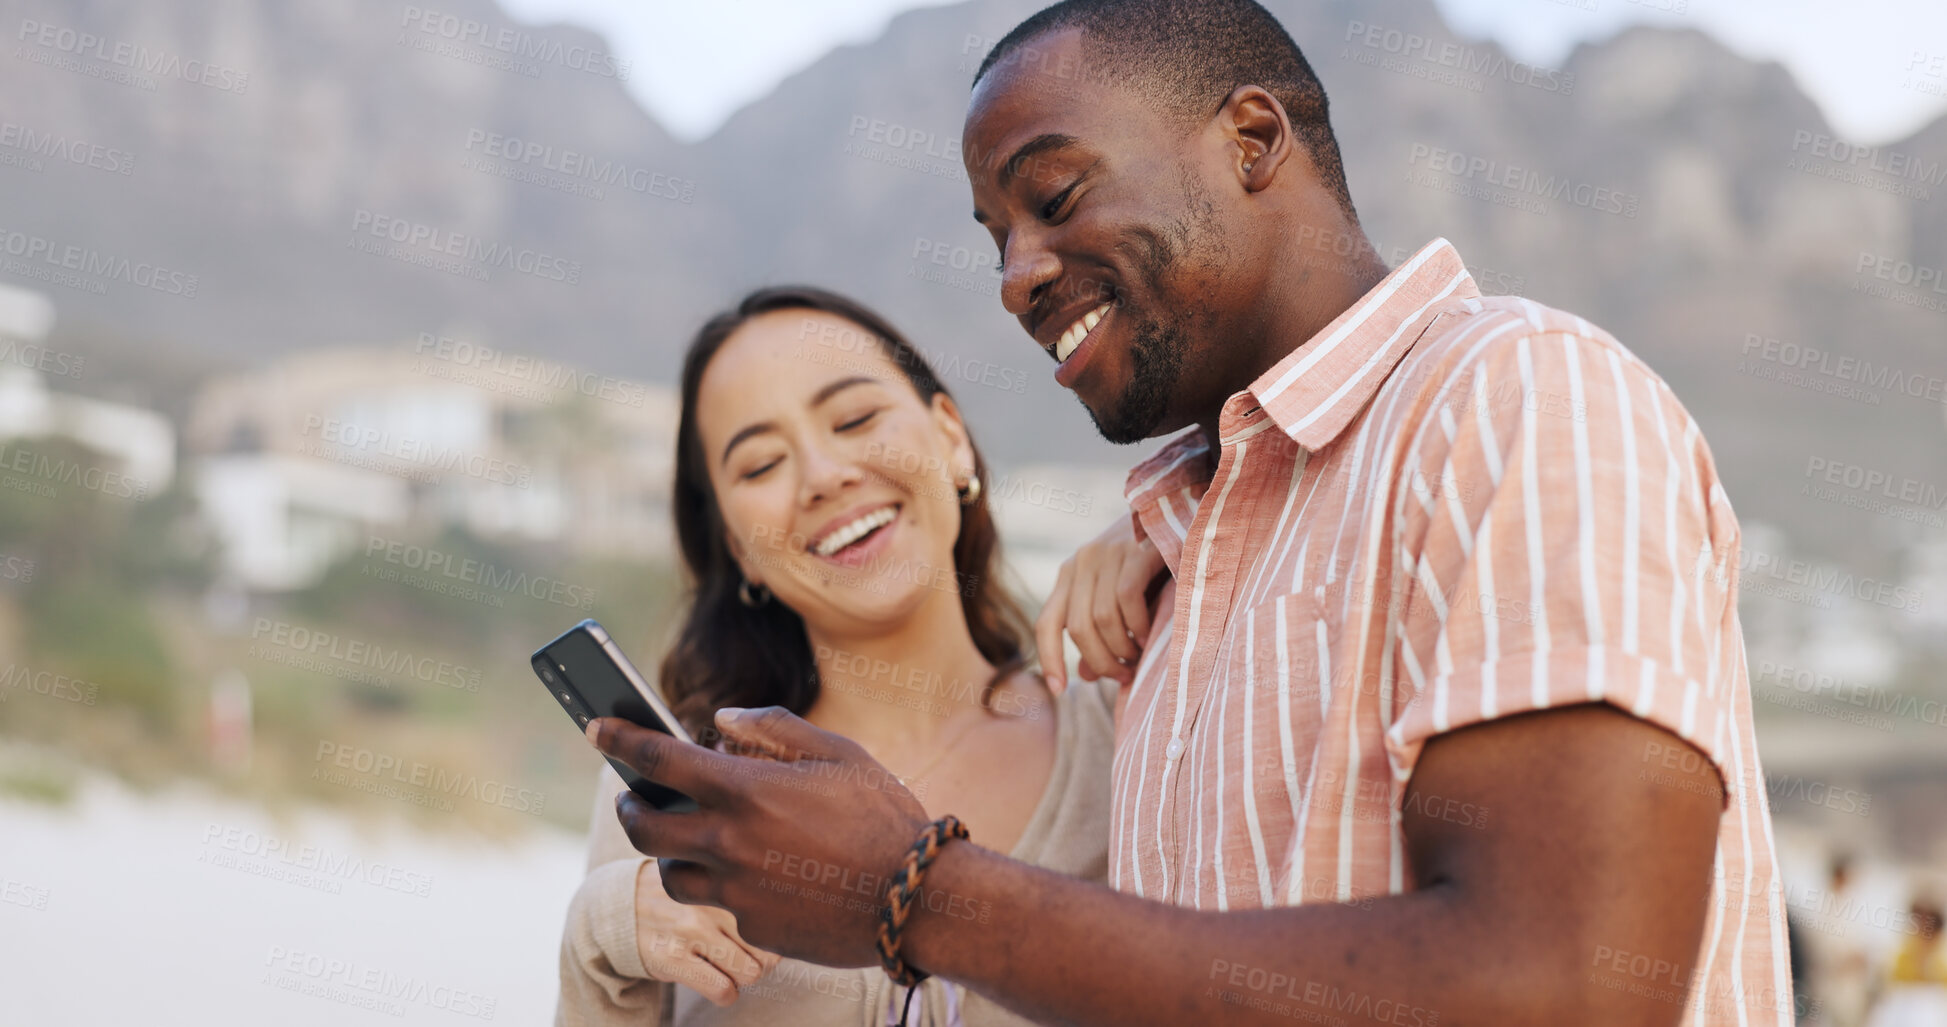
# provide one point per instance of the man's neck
(1309, 290)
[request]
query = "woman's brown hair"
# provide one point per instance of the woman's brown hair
(728, 653)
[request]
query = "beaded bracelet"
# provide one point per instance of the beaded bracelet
(905, 889)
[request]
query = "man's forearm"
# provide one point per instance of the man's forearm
(1059, 950)
(1586, 903)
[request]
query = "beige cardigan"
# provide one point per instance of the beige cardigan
(603, 982)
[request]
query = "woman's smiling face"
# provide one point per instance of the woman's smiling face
(835, 480)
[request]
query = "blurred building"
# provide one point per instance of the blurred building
(297, 462)
(136, 443)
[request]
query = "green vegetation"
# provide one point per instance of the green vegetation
(113, 633)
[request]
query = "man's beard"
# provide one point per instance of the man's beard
(1155, 360)
(1157, 349)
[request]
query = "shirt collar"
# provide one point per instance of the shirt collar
(1314, 392)
(1317, 389)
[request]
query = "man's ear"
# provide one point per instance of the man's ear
(1258, 132)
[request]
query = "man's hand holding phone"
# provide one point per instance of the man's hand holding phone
(585, 671)
(799, 843)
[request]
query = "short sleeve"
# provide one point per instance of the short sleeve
(1561, 539)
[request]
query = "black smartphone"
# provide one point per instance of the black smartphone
(588, 675)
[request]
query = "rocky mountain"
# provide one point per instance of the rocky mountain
(366, 170)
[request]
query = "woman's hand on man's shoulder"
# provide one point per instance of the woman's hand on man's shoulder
(1101, 600)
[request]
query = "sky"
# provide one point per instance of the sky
(1877, 68)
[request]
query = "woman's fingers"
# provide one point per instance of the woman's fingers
(767, 958)
(732, 962)
(704, 978)
(695, 953)
(1081, 614)
(1100, 601)
(746, 962)
(1132, 589)
(1110, 620)
(1047, 631)
(696, 946)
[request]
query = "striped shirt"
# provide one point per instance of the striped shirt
(1440, 510)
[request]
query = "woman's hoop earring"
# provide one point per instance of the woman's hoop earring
(970, 492)
(752, 597)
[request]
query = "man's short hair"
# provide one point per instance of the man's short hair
(1185, 56)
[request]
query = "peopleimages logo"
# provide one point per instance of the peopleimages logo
(842, 346)
(1835, 374)
(445, 784)
(1802, 581)
(40, 358)
(895, 145)
(427, 245)
(1522, 181)
(433, 26)
(1273, 991)
(1926, 72)
(574, 168)
(435, 564)
(362, 986)
(1398, 51)
(309, 864)
(1901, 272)
(20, 893)
(516, 367)
(37, 256)
(325, 645)
(62, 150)
(415, 458)
(1855, 476)
(129, 56)
(1845, 162)
(958, 266)
(1816, 685)
(42, 469)
(1901, 281)
(15, 677)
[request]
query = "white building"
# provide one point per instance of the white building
(283, 520)
(141, 443)
(300, 459)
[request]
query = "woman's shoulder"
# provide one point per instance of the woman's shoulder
(1084, 713)
(1070, 829)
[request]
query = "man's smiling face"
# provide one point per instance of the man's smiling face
(1113, 256)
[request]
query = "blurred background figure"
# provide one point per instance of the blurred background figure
(1842, 973)
(1915, 992)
